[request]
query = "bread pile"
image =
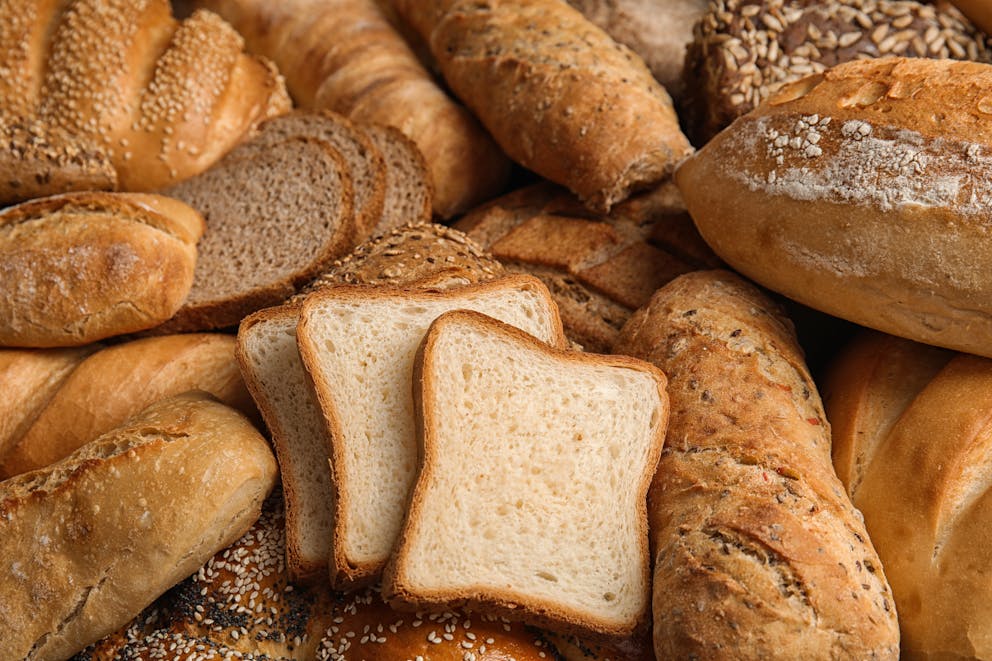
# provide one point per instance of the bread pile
(462, 476)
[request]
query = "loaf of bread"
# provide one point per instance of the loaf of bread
(409, 185)
(862, 192)
(743, 52)
(912, 443)
(556, 92)
(343, 55)
(599, 268)
(978, 11)
(81, 267)
(162, 99)
(91, 541)
(118, 382)
(758, 552)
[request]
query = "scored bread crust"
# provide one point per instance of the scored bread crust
(344, 571)
(512, 603)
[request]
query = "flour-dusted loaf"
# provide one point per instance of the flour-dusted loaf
(758, 552)
(912, 442)
(556, 92)
(533, 471)
(89, 542)
(862, 192)
(358, 345)
(117, 382)
(81, 267)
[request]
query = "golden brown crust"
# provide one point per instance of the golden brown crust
(116, 383)
(84, 266)
(827, 194)
(758, 551)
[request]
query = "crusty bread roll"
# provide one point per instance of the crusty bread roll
(758, 552)
(556, 92)
(81, 267)
(864, 193)
(913, 440)
(116, 383)
(89, 542)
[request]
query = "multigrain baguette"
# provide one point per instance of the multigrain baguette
(556, 92)
(91, 541)
(862, 192)
(758, 552)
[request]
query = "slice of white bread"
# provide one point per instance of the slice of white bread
(274, 374)
(534, 470)
(358, 345)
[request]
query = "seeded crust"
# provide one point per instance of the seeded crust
(758, 552)
(745, 50)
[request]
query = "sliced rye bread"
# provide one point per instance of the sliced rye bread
(599, 268)
(358, 345)
(272, 370)
(533, 476)
(364, 160)
(275, 219)
(409, 190)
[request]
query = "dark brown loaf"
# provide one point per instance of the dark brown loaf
(556, 92)
(80, 267)
(745, 50)
(758, 552)
(91, 541)
(864, 193)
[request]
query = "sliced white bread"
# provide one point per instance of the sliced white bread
(274, 374)
(358, 345)
(533, 477)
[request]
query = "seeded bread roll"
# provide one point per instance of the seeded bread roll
(862, 192)
(556, 92)
(89, 542)
(743, 51)
(81, 267)
(758, 552)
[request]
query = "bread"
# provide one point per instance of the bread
(911, 436)
(343, 55)
(599, 268)
(116, 383)
(850, 193)
(81, 267)
(558, 95)
(977, 11)
(277, 217)
(758, 552)
(163, 100)
(188, 473)
(358, 345)
(743, 52)
(409, 191)
(657, 31)
(527, 454)
(28, 380)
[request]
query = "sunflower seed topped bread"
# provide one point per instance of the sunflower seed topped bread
(528, 453)
(92, 540)
(358, 345)
(744, 51)
(912, 443)
(117, 382)
(81, 267)
(862, 192)
(276, 216)
(758, 552)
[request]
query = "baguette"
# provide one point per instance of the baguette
(556, 92)
(864, 193)
(91, 541)
(758, 552)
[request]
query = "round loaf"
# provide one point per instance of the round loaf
(81, 267)
(863, 192)
(913, 443)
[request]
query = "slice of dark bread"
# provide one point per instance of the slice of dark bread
(275, 219)
(409, 191)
